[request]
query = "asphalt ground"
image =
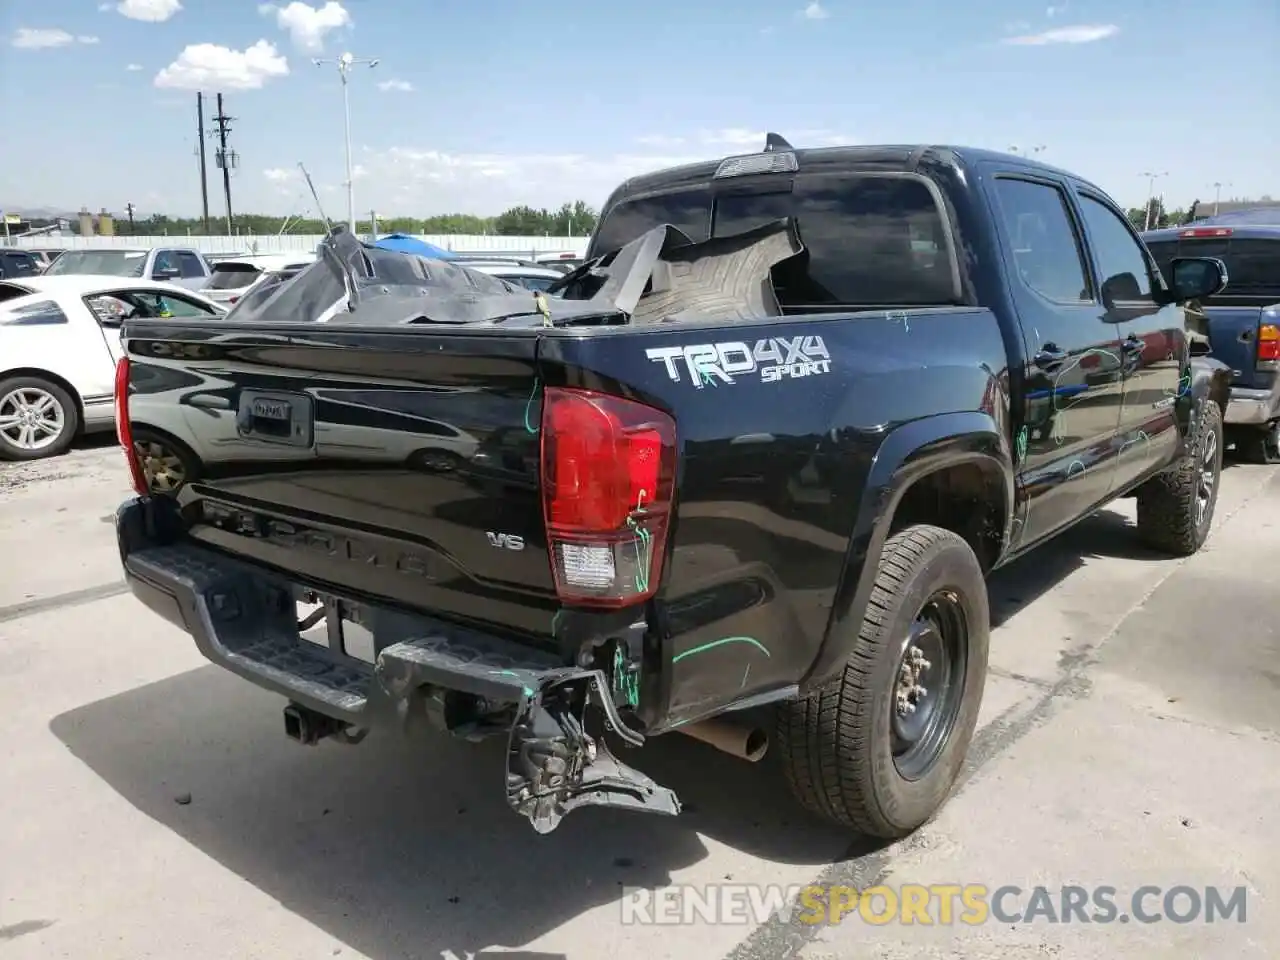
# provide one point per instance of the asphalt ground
(152, 807)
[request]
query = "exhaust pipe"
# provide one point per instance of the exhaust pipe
(736, 739)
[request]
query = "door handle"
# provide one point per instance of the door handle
(1049, 357)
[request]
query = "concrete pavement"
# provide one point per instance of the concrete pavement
(153, 808)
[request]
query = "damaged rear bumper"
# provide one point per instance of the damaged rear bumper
(244, 618)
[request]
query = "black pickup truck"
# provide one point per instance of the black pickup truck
(755, 459)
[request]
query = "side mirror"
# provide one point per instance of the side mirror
(1121, 288)
(1197, 278)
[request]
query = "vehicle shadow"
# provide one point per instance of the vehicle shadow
(1105, 534)
(404, 846)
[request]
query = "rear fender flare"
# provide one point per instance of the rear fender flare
(908, 454)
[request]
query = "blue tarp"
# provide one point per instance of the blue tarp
(404, 243)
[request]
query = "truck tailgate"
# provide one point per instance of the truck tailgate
(402, 467)
(1233, 335)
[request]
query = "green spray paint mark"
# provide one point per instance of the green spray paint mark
(1022, 443)
(624, 681)
(720, 643)
(529, 406)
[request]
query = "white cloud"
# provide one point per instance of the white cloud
(28, 38)
(307, 25)
(395, 86)
(281, 174)
(1085, 33)
(659, 140)
(742, 138)
(408, 180)
(815, 11)
(134, 67)
(202, 66)
(149, 11)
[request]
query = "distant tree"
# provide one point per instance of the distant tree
(576, 219)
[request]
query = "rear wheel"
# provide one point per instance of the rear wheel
(37, 419)
(879, 748)
(1260, 446)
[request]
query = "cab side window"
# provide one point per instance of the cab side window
(1046, 249)
(1123, 267)
(190, 265)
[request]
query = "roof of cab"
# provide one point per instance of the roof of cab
(893, 157)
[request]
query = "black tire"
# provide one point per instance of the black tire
(837, 744)
(10, 449)
(1260, 445)
(1175, 508)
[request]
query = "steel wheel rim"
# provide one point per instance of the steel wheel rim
(1208, 480)
(928, 684)
(164, 469)
(31, 418)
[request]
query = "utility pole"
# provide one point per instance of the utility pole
(1217, 194)
(128, 208)
(1151, 194)
(204, 170)
(344, 64)
(373, 226)
(226, 159)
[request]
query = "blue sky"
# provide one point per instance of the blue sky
(480, 104)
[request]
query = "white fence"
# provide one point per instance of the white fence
(297, 243)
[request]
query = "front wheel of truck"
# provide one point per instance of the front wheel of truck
(1175, 508)
(879, 748)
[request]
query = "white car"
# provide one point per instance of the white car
(531, 278)
(233, 277)
(59, 343)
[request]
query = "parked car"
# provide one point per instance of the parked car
(18, 263)
(563, 262)
(1243, 321)
(44, 257)
(531, 278)
(59, 343)
(182, 266)
(233, 277)
(761, 464)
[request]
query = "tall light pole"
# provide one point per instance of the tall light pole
(344, 64)
(1151, 194)
(1217, 194)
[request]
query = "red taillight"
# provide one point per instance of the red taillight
(1206, 232)
(232, 299)
(124, 430)
(1268, 342)
(608, 477)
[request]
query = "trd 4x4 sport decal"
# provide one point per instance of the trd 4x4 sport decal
(774, 359)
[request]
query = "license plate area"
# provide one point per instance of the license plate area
(338, 626)
(276, 417)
